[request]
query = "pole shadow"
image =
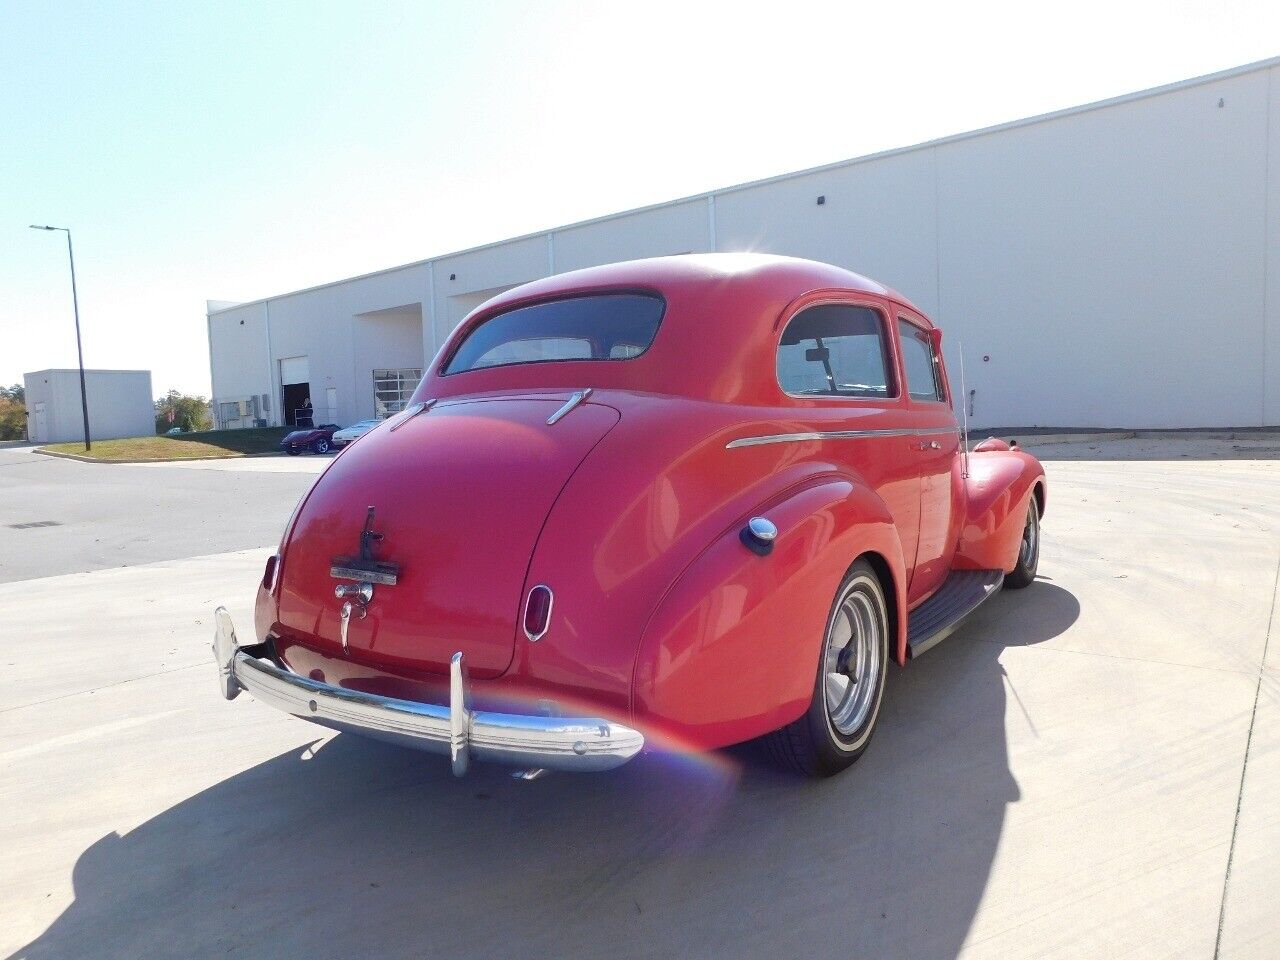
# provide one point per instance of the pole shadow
(356, 849)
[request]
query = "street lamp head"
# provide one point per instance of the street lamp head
(36, 226)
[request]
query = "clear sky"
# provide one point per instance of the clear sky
(230, 150)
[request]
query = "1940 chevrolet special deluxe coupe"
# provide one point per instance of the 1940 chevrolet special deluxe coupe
(693, 500)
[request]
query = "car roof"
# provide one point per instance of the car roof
(712, 269)
(723, 307)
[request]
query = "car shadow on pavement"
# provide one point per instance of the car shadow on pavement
(350, 848)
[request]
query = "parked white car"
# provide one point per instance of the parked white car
(354, 432)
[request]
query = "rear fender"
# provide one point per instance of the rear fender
(998, 487)
(732, 649)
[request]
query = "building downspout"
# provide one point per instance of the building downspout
(272, 390)
(429, 319)
(213, 380)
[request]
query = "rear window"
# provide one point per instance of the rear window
(613, 326)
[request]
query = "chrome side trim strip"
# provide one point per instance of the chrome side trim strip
(833, 435)
(573, 401)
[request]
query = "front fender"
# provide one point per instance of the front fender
(732, 649)
(999, 484)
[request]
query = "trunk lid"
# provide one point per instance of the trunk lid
(460, 494)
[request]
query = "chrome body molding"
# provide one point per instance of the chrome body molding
(834, 435)
(453, 729)
(572, 402)
(411, 411)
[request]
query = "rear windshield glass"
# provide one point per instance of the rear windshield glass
(614, 326)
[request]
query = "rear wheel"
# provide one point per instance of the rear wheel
(292, 451)
(849, 687)
(1028, 550)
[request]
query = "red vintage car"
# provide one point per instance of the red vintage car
(693, 500)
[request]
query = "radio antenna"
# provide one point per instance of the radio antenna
(964, 411)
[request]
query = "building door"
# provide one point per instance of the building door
(39, 423)
(295, 392)
(298, 410)
(331, 404)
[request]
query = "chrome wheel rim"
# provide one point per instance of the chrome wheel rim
(853, 660)
(1030, 539)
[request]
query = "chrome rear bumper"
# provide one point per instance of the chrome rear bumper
(556, 743)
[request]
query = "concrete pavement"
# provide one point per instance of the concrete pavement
(64, 516)
(1059, 779)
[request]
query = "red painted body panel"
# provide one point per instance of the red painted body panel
(997, 491)
(460, 497)
(630, 507)
(731, 652)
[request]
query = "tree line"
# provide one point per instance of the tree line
(13, 413)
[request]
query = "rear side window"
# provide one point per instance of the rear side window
(919, 363)
(614, 326)
(835, 350)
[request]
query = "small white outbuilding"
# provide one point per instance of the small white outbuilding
(120, 405)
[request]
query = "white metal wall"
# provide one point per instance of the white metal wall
(1116, 265)
(120, 405)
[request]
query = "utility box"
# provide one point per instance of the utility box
(120, 405)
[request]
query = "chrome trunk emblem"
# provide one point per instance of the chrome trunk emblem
(360, 594)
(344, 618)
(365, 568)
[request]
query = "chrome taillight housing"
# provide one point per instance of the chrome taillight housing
(537, 612)
(271, 574)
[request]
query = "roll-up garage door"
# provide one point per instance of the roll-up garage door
(294, 370)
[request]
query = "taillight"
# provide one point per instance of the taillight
(537, 612)
(269, 574)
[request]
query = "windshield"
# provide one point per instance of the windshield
(614, 326)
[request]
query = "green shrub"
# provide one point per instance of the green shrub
(175, 409)
(13, 418)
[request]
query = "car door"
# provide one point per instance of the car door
(934, 444)
(837, 367)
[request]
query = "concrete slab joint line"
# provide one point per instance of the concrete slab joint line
(1244, 767)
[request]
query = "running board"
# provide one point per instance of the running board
(939, 616)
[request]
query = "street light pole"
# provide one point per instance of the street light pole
(75, 305)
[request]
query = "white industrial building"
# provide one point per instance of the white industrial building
(120, 405)
(1111, 265)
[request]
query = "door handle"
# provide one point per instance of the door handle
(929, 445)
